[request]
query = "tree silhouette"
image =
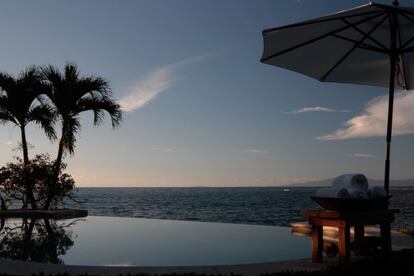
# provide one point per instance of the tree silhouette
(35, 240)
(71, 95)
(21, 104)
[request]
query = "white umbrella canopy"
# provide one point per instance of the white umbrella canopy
(370, 45)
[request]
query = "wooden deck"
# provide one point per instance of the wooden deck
(41, 214)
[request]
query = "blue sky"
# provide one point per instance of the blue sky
(201, 110)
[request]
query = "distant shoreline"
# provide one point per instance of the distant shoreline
(225, 187)
(306, 184)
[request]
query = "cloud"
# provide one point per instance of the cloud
(253, 151)
(295, 180)
(163, 149)
(315, 109)
(360, 155)
(9, 142)
(122, 264)
(148, 88)
(144, 91)
(373, 120)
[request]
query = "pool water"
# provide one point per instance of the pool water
(115, 241)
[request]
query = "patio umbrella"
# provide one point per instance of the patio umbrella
(371, 45)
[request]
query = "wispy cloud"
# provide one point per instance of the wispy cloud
(316, 109)
(360, 155)
(164, 149)
(373, 120)
(253, 151)
(121, 264)
(295, 180)
(148, 88)
(9, 142)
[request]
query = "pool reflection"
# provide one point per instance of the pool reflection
(37, 240)
(113, 241)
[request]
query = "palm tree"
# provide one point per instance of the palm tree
(71, 95)
(18, 106)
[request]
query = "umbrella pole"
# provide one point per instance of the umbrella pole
(393, 62)
(389, 124)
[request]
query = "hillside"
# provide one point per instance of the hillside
(372, 182)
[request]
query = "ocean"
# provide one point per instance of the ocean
(259, 206)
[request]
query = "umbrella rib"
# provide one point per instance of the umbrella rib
(408, 50)
(318, 21)
(406, 43)
(406, 16)
(369, 37)
(411, 39)
(319, 37)
(406, 11)
(361, 45)
(353, 48)
(370, 48)
(388, 7)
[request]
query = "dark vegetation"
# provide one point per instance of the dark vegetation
(47, 97)
(13, 179)
(35, 240)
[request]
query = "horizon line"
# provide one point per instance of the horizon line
(201, 187)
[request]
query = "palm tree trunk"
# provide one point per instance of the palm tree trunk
(56, 170)
(52, 243)
(24, 145)
(27, 238)
(28, 184)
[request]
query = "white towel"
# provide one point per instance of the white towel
(354, 181)
(333, 192)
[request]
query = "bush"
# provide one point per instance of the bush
(39, 174)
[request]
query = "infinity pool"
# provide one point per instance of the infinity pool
(114, 241)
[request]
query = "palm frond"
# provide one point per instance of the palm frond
(51, 75)
(72, 94)
(30, 82)
(6, 116)
(94, 86)
(7, 82)
(29, 74)
(45, 116)
(4, 102)
(98, 105)
(71, 126)
(71, 72)
(20, 93)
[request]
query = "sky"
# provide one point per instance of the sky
(199, 107)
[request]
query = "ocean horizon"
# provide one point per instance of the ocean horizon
(277, 206)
